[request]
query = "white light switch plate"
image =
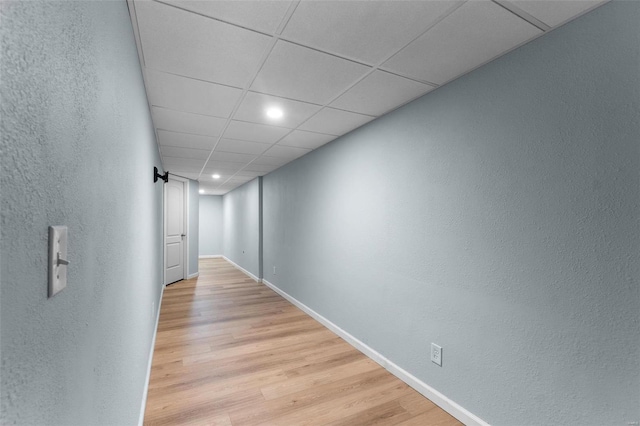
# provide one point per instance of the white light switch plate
(57, 259)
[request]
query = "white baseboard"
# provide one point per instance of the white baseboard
(195, 275)
(211, 256)
(241, 268)
(436, 397)
(153, 345)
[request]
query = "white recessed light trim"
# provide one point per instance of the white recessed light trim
(202, 191)
(215, 176)
(274, 112)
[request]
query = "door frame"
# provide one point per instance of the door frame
(185, 242)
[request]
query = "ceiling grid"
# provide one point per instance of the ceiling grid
(213, 68)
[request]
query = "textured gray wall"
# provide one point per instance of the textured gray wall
(210, 225)
(194, 225)
(240, 218)
(77, 149)
(497, 216)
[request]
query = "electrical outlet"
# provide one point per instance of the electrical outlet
(436, 354)
(274, 270)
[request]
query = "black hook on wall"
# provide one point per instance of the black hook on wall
(156, 175)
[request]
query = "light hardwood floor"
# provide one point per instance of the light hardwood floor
(230, 351)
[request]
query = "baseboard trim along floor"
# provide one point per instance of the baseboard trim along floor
(235, 265)
(451, 407)
(145, 392)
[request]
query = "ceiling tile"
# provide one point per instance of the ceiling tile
(186, 140)
(188, 44)
(179, 162)
(270, 161)
(367, 31)
(554, 13)
(249, 174)
(172, 151)
(222, 167)
(186, 174)
(334, 121)
(189, 95)
(253, 108)
(262, 168)
(208, 178)
(178, 121)
(238, 179)
(261, 15)
(214, 191)
(296, 72)
(380, 92)
(186, 171)
(232, 156)
(242, 147)
(309, 140)
(286, 152)
(472, 35)
(254, 132)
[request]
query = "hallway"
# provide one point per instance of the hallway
(231, 351)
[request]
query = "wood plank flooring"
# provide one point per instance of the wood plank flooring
(230, 351)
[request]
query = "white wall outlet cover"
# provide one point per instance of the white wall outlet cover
(58, 262)
(436, 354)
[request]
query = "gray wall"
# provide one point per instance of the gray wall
(211, 225)
(241, 214)
(77, 149)
(498, 217)
(194, 225)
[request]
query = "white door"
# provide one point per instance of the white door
(174, 231)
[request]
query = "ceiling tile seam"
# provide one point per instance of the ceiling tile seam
(185, 112)
(310, 149)
(453, 8)
(247, 140)
(512, 8)
(186, 133)
(316, 49)
(179, 158)
(183, 148)
(397, 74)
(373, 68)
(176, 6)
(284, 97)
(287, 16)
(265, 56)
(192, 78)
(349, 111)
(261, 124)
(242, 153)
(456, 5)
(245, 90)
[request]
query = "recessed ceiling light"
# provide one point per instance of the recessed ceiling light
(216, 176)
(274, 112)
(202, 191)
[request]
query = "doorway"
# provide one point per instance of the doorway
(175, 230)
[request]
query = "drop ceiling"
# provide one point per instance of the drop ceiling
(212, 68)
